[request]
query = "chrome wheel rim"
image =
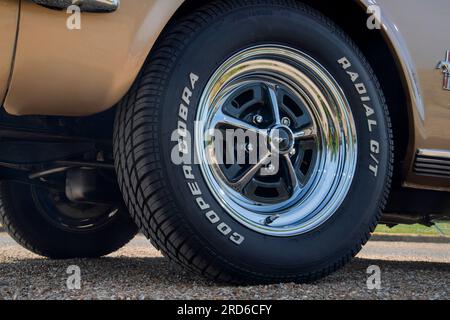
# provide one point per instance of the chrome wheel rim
(267, 89)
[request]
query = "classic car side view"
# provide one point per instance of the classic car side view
(251, 141)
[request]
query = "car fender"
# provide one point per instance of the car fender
(79, 72)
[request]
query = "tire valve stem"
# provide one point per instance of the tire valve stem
(271, 219)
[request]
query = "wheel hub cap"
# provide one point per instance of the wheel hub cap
(281, 140)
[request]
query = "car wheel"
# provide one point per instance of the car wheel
(48, 224)
(286, 73)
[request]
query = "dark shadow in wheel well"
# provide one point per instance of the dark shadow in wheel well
(352, 18)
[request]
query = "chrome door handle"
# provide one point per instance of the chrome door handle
(85, 5)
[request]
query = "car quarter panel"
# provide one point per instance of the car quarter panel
(420, 34)
(9, 15)
(59, 71)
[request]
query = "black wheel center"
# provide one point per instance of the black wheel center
(281, 139)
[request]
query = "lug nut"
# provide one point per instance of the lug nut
(249, 147)
(258, 119)
(286, 121)
(293, 152)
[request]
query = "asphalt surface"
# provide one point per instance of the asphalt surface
(409, 270)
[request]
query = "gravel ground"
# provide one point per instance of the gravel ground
(409, 271)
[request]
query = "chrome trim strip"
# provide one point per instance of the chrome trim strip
(432, 162)
(435, 173)
(85, 5)
(429, 166)
(433, 153)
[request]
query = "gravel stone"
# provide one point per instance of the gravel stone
(139, 272)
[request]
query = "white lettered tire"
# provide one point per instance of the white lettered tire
(196, 218)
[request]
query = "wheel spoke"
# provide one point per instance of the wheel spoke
(292, 174)
(274, 104)
(248, 176)
(306, 134)
(223, 119)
